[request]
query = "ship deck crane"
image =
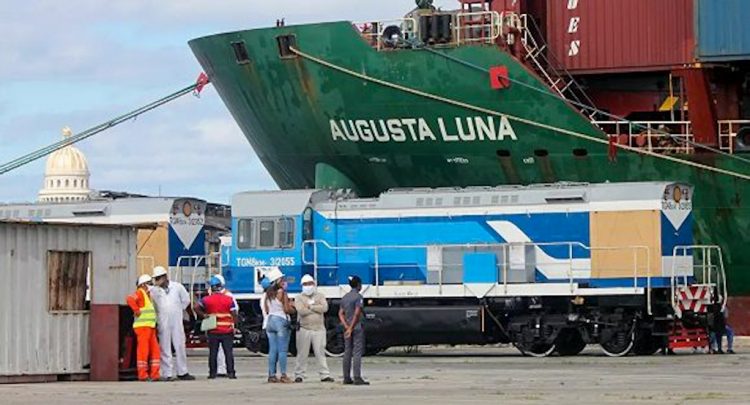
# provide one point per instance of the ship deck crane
(194, 88)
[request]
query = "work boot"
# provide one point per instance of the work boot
(359, 381)
(185, 377)
(285, 380)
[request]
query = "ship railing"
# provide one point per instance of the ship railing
(374, 32)
(477, 27)
(666, 137)
(514, 262)
(728, 130)
(698, 265)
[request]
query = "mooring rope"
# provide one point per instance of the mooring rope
(511, 117)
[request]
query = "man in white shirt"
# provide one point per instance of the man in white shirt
(171, 300)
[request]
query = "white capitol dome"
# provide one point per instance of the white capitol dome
(66, 176)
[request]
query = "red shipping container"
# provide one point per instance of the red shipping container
(610, 36)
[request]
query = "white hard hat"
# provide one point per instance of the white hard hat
(307, 279)
(143, 279)
(221, 278)
(158, 272)
(273, 274)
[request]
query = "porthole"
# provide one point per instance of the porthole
(503, 153)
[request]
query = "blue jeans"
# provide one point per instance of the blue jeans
(279, 334)
(716, 343)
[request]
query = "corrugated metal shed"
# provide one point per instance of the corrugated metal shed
(723, 29)
(37, 340)
(592, 36)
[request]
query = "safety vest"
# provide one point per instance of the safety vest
(147, 319)
(220, 305)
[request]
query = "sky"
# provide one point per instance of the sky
(79, 63)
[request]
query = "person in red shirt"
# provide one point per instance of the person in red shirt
(144, 326)
(224, 308)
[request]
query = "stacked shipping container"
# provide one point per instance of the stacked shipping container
(605, 36)
(723, 30)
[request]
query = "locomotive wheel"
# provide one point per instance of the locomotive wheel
(569, 342)
(255, 341)
(617, 342)
(334, 342)
(536, 349)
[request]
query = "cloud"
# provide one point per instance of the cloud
(111, 40)
(192, 147)
(81, 62)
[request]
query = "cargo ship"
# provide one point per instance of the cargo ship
(507, 92)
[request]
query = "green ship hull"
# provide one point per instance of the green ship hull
(313, 125)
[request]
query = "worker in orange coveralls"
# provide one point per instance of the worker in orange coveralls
(144, 326)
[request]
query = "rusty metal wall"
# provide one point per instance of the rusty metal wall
(606, 36)
(35, 340)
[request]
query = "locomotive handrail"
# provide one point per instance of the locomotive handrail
(706, 267)
(503, 267)
(179, 270)
(635, 249)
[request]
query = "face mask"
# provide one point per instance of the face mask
(308, 289)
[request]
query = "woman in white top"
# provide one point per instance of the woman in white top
(276, 307)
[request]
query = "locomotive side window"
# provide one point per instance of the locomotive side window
(286, 232)
(266, 234)
(307, 229)
(245, 234)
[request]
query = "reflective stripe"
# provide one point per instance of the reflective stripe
(148, 314)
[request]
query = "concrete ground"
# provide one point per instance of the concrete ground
(439, 376)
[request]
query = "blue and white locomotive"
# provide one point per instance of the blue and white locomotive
(549, 268)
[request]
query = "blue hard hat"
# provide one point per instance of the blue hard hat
(265, 283)
(215, 281)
